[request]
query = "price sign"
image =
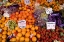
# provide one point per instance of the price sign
(50, 25)
(6, 14)
(49, 0)
(22, 23)
(49, 10)
(27, 2)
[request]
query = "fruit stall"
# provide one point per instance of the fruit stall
(31, 20)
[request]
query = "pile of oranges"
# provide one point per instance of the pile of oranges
(24, 34)
(23, 15)
(21, 34)
(3, 29)
(27, 34)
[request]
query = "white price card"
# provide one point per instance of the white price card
(22, 23)
(27, 2)
(49, 10)
(50, 25)
(49, 0)
(6, 14)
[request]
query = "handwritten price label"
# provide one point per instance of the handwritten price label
(22, 23)
(49, 0)
(50, 25)
(49, 10)
(27, 2)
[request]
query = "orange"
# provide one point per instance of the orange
(21, 38)
(27, 30)
(34, 39)
(19, 18)
(5, 28)
(24, 9)
(0, 21)
(19, 30)
(23, 33)
(27, 34)
(4, 40)
(33, 28)
(13, 31)
(36, 27)
(3, 19)
(34, 33)
(15, 19)
(30, 26)
(13, 39)
(3, 36)
(16, 28)
(17, 38)
(9, 33)
(19, 34)
(38, 35)
(17, 13)
(4, 32)
(28, 10)
(0, 35)
(26, 39)
(24, 29)
(0, 39)
(2, 25)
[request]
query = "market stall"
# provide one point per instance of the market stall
(31, 20)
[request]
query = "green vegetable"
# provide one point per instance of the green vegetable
(12, 25)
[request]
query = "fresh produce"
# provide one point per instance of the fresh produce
(3, 29)
(53, 4)
(12, 25)
(55, 17)
(23, 15)
(51, 35)
(40, 16)
(35, 15)
(26, 34)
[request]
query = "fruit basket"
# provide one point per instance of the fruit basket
(31, 21)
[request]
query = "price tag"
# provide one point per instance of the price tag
(49, 0)
(6, 14)
(27, 2)
(22, 23)
(0, 30)
(50, 25)
(49, 10)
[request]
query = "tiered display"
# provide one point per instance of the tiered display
(26, 20)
